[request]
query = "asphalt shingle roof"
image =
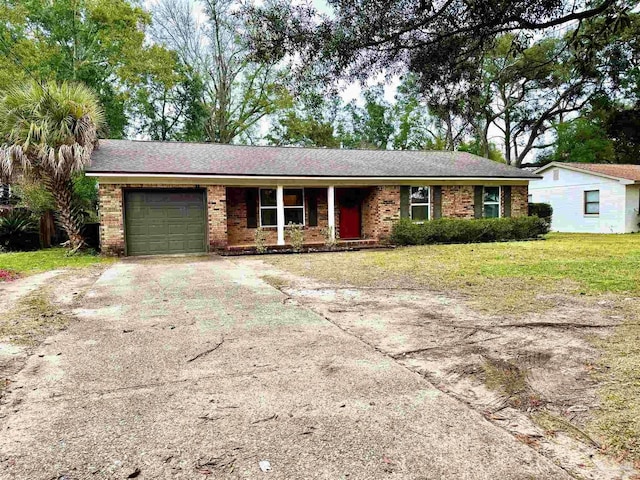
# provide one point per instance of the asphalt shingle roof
(137, 157)
(626, 171)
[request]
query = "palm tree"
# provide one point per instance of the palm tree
(47, 134)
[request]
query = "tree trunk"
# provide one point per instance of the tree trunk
(63, 195)
(47, 228)
(507, 138)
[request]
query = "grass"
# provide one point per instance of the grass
(499, 277)
(515, 278)
(275, 281)
(47, 259)
(619, 417)
(510, 381)
(33, 319)
(505, 377)
(552, 423)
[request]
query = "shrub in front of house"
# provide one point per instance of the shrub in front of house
(452, 230)
(542, 210)
(19, 231)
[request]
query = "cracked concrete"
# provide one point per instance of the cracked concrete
(195, 367)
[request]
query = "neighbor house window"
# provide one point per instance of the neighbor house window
(491, 202)
(293, 207)
(592, 202)
(419, 204)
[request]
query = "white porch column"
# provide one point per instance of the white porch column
(331, 211)
(280, 213)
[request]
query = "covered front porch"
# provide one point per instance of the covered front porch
(338, 215)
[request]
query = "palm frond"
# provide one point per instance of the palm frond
(48, 131)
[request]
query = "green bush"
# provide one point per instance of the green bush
(541, 210)
(18, 231)
(452, 230)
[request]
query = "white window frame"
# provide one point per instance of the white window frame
(268, 207)
(304, 210)
(275, 207)
(585, 203)
(420, 204)
(499, 202)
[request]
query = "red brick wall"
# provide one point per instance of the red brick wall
(227, 213)
(519, 200)
(111, 219)
(217, 216)
(112, 241)
(380, 210)
(240, 234)
(457, 201)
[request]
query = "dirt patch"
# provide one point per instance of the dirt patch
(32, 319)
(531, 374)
(33, 309)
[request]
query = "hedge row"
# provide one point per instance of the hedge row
(542, 210)
(451, 230)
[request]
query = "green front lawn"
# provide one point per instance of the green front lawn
(497, 277)
(47, 259)
(519, 277)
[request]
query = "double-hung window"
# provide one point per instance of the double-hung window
(268, 207)
(491, 202)
(592, 202)
(293, 207)
(419, 204)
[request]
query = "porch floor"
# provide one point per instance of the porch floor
(354, 243)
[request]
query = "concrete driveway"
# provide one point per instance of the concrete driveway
(188, 368)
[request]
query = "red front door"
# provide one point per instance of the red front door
(350, 222)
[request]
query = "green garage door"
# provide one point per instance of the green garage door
(165, 221)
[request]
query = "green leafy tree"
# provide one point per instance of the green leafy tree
(169, 106)
(293, 129)
(47, 134)
(362, 38)
(582, 140)
(368, 126)
(526, 89)
(306, 121)
(414, 129)
(100, 43)
(623, 129)
(477, 147)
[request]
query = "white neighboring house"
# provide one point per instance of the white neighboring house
(590, 197)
